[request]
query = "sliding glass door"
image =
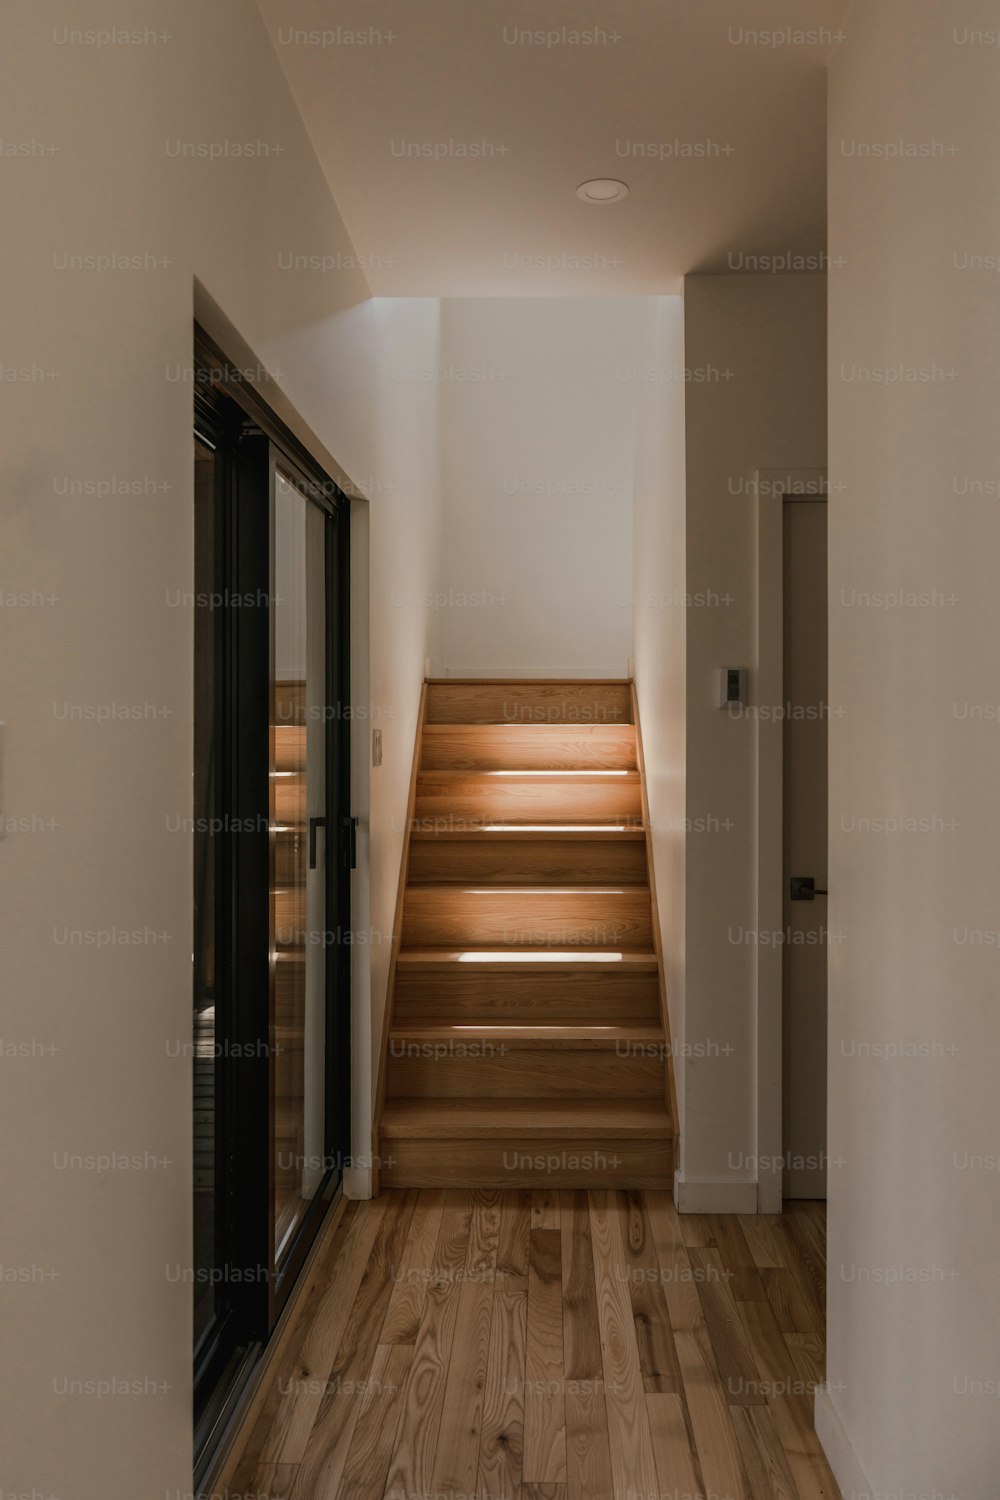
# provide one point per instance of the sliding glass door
(311, 841)
(273, 851)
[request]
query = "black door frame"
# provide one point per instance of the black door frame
(251, 443)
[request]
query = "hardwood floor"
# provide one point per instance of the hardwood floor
(551, 1345)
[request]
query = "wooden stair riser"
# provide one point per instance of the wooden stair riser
(556, 998)
(454, 802)
(527, 862)
(489, 1069)
(290, 747)
(501, 747)
(435, 917)
(288, 799)
(597, 703)
(592, 1161)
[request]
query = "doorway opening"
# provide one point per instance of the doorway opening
(792, 799)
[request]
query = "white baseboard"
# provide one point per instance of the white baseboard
(710, 1195)
(357, 1182)
(843, 1460)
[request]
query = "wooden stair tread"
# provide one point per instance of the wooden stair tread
(424, 959)
(502, 833)
(544, 778)
(526, 1036)
(428, 888)
(554, 1119)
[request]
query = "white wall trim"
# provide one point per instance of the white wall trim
(713, 1195)
(771, 485)
(850, 1476)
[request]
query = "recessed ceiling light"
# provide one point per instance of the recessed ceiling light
(602, 190)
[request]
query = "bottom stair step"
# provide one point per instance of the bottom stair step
(510, 1063)
(541, 1142)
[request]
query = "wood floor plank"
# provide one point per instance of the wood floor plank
(733, 1354)
(696, 1230)
(484, 1233)
(789, 1399)
(771, 1353)
(763, 1242)
(544, 1459)
(633, 1469)
(502, 1446)
(588, 1451)
(374, 1437)
(793, 1303)
(812, 1476)
(806, 1219)
(301, 1401)
(322, 1464)
(588, 1446)
(452, 1248)
(545, 1208)
(274, 1481)
(676, 1463)
(415, 1270)
(734, 1252)
(515, 1227)
(676, 1271)
(810, 1248)
(412, 1467)
(456, 1461)
(715, 1437)
(543, 1492)
(768, 1474)
(793, 1418)
(650, 1313)
(581, 1330)
(808, 1356)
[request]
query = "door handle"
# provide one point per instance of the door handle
(350, 831)
(804, 888)
(314, 823)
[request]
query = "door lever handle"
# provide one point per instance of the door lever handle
(804, 888)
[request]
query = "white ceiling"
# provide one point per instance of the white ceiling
(508, 222)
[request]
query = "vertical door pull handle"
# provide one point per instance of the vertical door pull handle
(351, 843)
(314, 823)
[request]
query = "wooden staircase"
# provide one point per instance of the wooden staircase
(527, 1036)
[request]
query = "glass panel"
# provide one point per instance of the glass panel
(298, 857)
(207, 747)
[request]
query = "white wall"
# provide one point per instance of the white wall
(660, 632)
(87, 625)
(917, 463)
(755, 356)
(539, 402)
(406, 625)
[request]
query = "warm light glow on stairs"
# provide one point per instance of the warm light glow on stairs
(526, 1000)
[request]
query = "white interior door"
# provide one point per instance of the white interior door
(804, 1030)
